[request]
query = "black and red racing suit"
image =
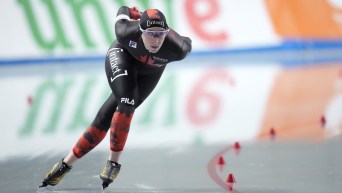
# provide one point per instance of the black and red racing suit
(132, 72)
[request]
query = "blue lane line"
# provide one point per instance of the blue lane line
(49, 60)
(288, 45)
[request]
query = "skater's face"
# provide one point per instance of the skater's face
(153, 38)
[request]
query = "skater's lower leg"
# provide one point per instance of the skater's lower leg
(119, 129)
(90, 139)
(96, 131)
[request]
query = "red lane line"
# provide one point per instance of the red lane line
(213, 172)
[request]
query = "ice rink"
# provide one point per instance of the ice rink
(258, 167)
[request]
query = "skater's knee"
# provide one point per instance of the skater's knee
(104, 116)
(126, 108)
(102, 121)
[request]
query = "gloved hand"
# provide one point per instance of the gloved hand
(134, 13)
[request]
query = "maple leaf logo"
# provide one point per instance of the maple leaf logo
(153, 14)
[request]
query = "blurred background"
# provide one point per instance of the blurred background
(256, 66)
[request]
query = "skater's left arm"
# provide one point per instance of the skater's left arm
(123, 17)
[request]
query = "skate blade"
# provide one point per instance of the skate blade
(43, 185)
(104, 185)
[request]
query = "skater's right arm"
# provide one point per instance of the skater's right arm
(124, 19)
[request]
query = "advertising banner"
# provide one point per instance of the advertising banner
(67, 28)
(306, 19)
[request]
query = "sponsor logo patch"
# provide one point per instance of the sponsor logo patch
(127, 101)
(132, 44)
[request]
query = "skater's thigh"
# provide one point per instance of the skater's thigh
(147, 83)
(122, 77)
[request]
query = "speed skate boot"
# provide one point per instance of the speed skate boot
(55, 175)
(109, 173)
